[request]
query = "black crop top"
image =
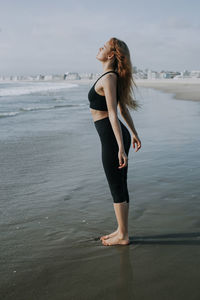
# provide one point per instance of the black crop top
(98, 101)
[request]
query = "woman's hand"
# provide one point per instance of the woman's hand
(123, 159)
(136, 140)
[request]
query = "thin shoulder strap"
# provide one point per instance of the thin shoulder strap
(105, 74)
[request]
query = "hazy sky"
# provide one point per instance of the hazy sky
(60, 36)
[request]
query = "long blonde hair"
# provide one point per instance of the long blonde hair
(123, 66)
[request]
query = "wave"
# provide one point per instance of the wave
(9, 114)
(27, 109)
(46, 108)
(34, 88)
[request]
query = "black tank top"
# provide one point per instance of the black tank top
(97, 101)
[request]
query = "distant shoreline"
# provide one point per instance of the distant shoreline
(183, 89)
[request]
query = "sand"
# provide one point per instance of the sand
(55, 202)
(184, 89)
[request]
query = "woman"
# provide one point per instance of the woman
(114, 87)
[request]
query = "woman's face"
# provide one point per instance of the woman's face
(104, 52)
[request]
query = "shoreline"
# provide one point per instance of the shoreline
(183, 89)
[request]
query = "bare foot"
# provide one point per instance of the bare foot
(107, 236)
(116, 240)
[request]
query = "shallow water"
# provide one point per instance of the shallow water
(55, 201)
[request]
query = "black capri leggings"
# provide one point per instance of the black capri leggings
(117, 178)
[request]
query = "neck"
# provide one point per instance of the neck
(107, 67)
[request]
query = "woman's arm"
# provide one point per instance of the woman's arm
(110, 90)
(110, 85)
(128, 119)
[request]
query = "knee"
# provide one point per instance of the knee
(120, 200)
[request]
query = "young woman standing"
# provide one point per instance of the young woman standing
(114, 88)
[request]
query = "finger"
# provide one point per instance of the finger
(121, 165)
(124, 164)
(120, 160)
(138, 147)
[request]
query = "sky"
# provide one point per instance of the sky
(54, 37)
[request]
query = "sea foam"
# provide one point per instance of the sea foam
(34, 88)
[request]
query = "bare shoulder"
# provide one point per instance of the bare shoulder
(109, 79)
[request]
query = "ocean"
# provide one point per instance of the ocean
(55, 201)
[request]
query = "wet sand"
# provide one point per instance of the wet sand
(183, 89)
(55, 203)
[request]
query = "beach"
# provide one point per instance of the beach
(183, 89)
(56, 203)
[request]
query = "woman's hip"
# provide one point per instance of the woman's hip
(107, 136)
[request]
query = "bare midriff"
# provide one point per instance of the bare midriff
(98, 114)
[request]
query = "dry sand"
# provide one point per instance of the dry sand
(184, 89)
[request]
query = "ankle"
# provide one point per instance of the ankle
(123, 234)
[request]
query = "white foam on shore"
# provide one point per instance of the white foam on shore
(34, 88)
(9, 114)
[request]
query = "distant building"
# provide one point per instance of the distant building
(14, 78)
(41, 77)
(140, 74)
(48, 77)
(71, 76)
(57, 77)
(152, 74)
(37, 77)
(86, 75)
(135, 70)
(195, 74)
(169, 74)
(185, 73)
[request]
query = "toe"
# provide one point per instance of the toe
(105, 237)
(104, 243)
